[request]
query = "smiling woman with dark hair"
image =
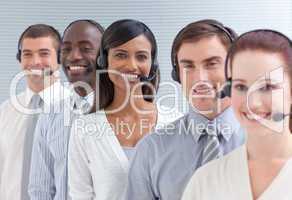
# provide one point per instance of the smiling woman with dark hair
(129, 76)
(260, 63)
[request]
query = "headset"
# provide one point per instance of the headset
(55, 31)
(226, 30)
(226, 91)
(103, 54)
(90, 21)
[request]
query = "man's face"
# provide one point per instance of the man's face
(201, 71)
(38, 54)
(79, 50)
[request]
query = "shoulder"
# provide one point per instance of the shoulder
(5, 105)
(94, 124)
(215, 177)
(8, 104)
(167, 114)
(163, 138)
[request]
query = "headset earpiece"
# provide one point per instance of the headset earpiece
(174, 74)
(18, 55)
(226, 91)
(227, 88)
(55, 31)
(101, 61)
(99, 28)
(228, 32)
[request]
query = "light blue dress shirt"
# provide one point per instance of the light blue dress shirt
(49, 170)
(166, 159)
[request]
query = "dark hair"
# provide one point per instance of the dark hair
(115, 35)
(90, 21)
(267, 41)
(41, 30)
(196, 31)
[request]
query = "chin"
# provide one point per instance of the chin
(204, 106)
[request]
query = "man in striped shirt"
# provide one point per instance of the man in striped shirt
(79, 50)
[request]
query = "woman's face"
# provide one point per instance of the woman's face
(130, 60)
(260, 88)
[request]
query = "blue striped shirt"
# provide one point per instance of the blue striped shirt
(48, 173)
(49, 163)
(166, 159)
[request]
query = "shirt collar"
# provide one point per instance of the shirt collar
(28, 96)
(225, 123)
(78, 101)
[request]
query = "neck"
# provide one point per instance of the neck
(81, 91)
(220, 107)
(269, 146)
(41, 85)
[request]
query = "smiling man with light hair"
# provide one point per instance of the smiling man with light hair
(38, 49)
(166, 159)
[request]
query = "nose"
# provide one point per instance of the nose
(254, 101)
(203, 75)
(132, 64)
(75, 54)
(36, 60)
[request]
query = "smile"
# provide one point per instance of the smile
(40, 72)
(203, 89)
(130, 77)
(256, 116)
(76, 68)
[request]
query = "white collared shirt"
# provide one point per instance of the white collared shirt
(13, 124)
(97, 163)
(227, 178)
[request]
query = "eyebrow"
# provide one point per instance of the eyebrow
(84, 42)
(44, 50)
(186, 61)
(212, 58)
(269, 80)
(79, 42)
(28, 50)
(121, 50)
(65, 43)
(140, 51)
(143, 51)
(238, 80)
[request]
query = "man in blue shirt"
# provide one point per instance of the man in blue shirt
(79, 50)
(166, 159)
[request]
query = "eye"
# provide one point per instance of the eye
(26, 55)
(268, 87)
(188, 66)
(120, 55)
(44, 54)
(65, 49)
(212, 64)
(240, 87)
(87, 49)
(142, 57)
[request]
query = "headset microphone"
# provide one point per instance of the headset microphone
(146, 79)
(225, 92)
(279, 116)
